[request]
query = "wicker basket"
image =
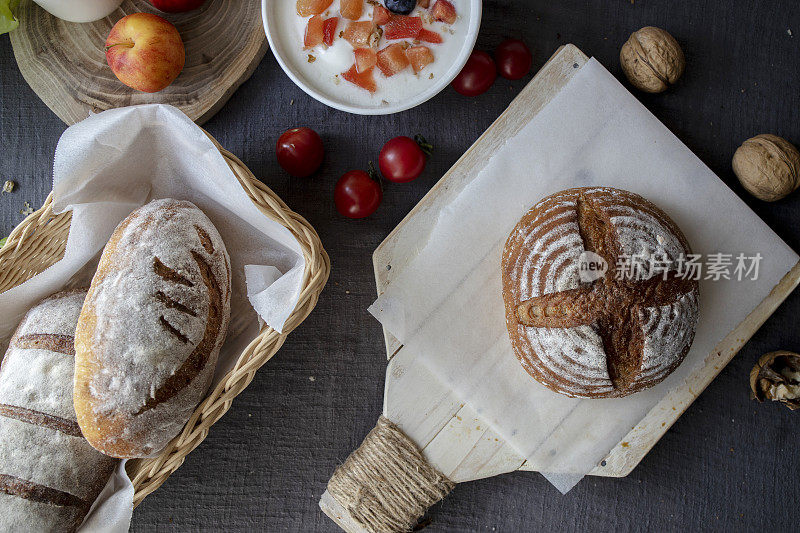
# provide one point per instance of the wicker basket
(39, 242)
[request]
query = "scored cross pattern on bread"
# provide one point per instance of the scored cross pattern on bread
(49, 474)
(608, 337)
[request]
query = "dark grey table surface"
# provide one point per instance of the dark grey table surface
(727, 464)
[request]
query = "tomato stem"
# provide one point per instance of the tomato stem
(427, 148)
(375, 175)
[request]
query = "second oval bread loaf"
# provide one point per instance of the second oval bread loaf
(49, 475)
(151, 328)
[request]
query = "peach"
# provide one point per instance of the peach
(311, 7)
(419, 57)
(145, 52)
(351, 9)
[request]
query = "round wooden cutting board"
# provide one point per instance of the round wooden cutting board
(65, 62)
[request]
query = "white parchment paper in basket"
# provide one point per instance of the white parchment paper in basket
(118, 160)
(446, 304)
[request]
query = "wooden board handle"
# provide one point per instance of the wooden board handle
(385, 485)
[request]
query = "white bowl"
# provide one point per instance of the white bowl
(271, 20)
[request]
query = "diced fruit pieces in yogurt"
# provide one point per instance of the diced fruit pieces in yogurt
(362, 34)
(420, 57)
(429, 36)
(402, 27)
(366, 58)
(380, 15)
(329, 30)
(314, 32)
(351, 9)
(365, 80)
(392, 59)
(444, 11)
(312, 7)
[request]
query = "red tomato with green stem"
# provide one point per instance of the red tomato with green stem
(300, 151)
(357, 194)
(402, 159)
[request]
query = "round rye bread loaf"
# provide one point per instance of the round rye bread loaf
(597, 300)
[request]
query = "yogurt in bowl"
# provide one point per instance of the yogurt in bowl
(417, 54)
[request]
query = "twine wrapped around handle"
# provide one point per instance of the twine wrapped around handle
(386, 484)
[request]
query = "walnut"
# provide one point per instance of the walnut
(652, 59)
(768, 167)
(776, 377)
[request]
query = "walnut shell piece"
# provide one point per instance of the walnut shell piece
(776, 377)
(767, 166)
(652, 59)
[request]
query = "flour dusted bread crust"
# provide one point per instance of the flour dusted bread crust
(49, 474)
(151, 328)
(606, 337)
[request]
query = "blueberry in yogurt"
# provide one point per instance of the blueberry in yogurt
(401, 7)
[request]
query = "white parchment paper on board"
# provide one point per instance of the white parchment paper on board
(446, 305)
(113, 162)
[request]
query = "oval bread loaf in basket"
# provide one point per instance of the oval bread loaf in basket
(40, 240)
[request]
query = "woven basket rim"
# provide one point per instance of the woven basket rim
(39, 241)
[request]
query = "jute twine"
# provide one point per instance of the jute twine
(386, 484)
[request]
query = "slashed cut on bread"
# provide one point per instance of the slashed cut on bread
(151, 328)
(601, 334)
(49, 474)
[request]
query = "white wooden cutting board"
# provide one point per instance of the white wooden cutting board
(452, 436)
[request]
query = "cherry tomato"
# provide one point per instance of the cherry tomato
(401, 160)
(477, 75)
(300, 151)
(357, 195)
(513, 59)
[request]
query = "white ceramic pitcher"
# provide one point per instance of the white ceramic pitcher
(79, 10)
